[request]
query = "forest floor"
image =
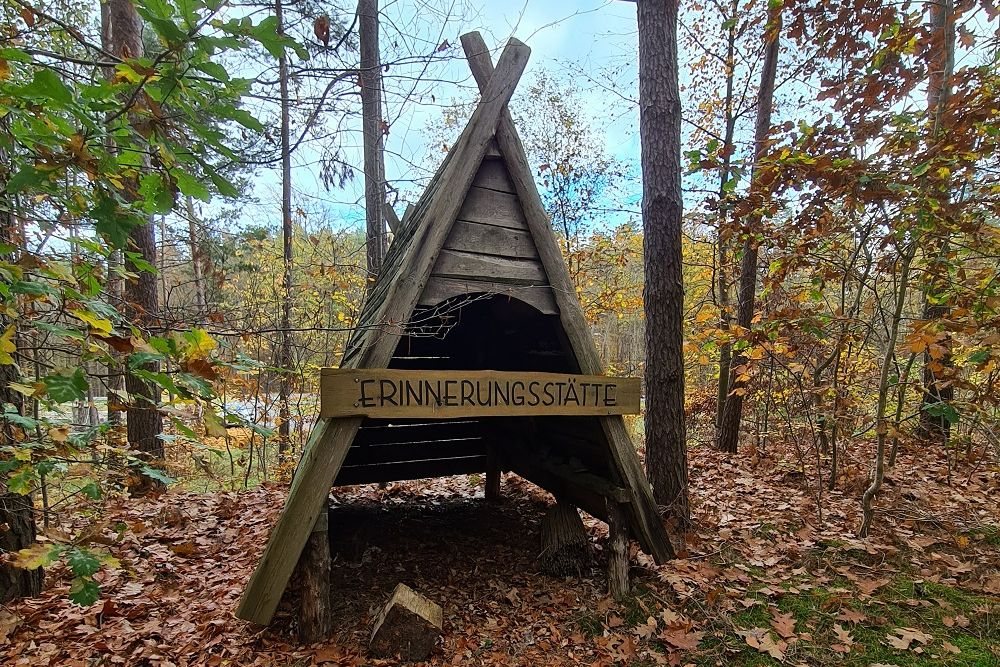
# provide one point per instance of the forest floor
(762, 580)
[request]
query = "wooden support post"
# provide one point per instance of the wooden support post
(618, 584)
(565, 545)
(315, 619)
(492, 474)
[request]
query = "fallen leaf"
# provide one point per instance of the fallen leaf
(761, 639)
(783, 624)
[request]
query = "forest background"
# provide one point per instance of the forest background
(167, 303)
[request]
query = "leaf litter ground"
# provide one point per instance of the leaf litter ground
(762, 579)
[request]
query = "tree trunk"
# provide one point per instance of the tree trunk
(17, 515)
(935, 389)
(371, 120)
(285, 353)
(881, 424)
(116, 380)
(722, 279)
(729, 427)
(141, 307)
(200, 301)
(663, 293)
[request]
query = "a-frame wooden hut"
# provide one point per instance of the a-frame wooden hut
(474, 280)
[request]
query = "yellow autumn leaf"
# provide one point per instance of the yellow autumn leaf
(199, 344)
(97, 323)
(7, 346)
(4, 69)
(35, 556)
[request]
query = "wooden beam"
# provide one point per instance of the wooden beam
(391, 218)
(539, 297)
(445, 394)
(398, 472)
(644, 512)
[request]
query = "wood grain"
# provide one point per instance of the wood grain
(434, 394)
(492, 240)
(438, 289)
(461, 264)
(491, 207)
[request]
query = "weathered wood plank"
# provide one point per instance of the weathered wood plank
(398, 472)
(491, 240)
(459, 264)
(387, 393)
(391, 218)
(643, 512)
(493, 175)
(418, 432)
(491, 207)
(415, 451)
(324, 454)
(539, 297)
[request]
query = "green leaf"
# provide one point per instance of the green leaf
(214, 70)
(191, 186)
(979, 356)
(92, 490)
(156, 198)
(82, 562)
(921, 169)
(84, 591)
(156, 474)
(67, 386)
(111, 221)
(47, 85)
(23, 481)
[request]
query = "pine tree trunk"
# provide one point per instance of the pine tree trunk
(663, 294)
(285, 353)
(371, 120)
(729, 426)
(144, 423)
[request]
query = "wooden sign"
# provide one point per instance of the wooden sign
(444, 394)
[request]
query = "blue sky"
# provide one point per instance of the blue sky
(591, 36)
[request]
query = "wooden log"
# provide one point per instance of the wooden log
(618, 584)
(312, 577)
(440, 289)
(565, 547)
(408, 626)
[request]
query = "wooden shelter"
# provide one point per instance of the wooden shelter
(473, 281)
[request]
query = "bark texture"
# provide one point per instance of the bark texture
(732, 415)
(371, 119)
(936, 373)
(618, 581)
(144, 423)
(17, 514)
(285, 352)
(312, 577)
(663, 294)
